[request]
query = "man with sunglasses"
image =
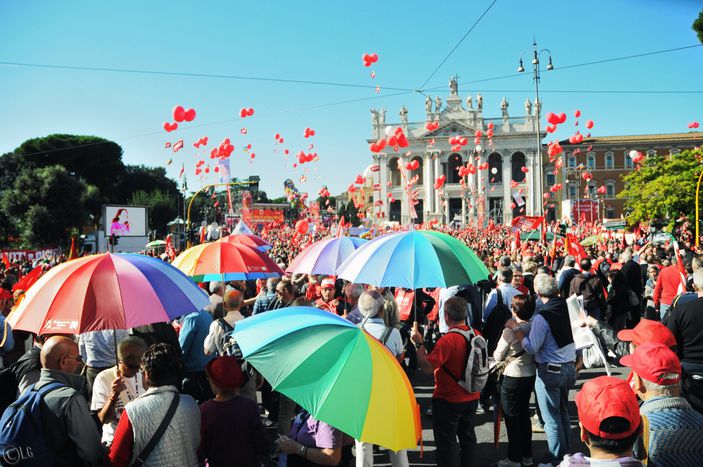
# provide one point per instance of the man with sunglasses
(70, 429)
(115, 387)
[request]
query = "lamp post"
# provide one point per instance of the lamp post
(578, 171)
(538, 108)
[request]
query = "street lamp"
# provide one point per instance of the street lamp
(538, 105)
(578, 171)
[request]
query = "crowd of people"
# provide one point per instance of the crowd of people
(176, 393)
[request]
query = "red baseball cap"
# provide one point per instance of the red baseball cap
(225, 372)
(648, 330)
(654, 362)
(605, 397)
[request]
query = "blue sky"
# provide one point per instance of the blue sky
(324, 41)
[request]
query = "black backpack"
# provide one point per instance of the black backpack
(231, 349)
(494, 325)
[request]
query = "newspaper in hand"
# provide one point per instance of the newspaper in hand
(582, 338)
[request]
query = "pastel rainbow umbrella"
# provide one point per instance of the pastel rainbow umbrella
(225, 261)
(334, 370)
(325, 256)
(106, 291)
(414, 259)
(250, 240)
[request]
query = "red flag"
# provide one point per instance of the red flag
(170, 251)
(183, 170)
(340, 228)
(73, 252)
(6, 260)
(574, 248)
(26, 282)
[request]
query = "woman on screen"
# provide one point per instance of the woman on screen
(120, 223)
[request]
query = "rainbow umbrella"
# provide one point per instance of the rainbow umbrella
(106, 291)
(413, 260)
(249, 240)
(225, 261)
(325, 256)
(336, 371)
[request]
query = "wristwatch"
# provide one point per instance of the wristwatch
(417, 346)
(301, 449)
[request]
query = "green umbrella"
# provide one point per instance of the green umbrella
(156, 244)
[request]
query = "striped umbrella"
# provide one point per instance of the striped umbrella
(325, 256)
(250, 240)
(106, 291)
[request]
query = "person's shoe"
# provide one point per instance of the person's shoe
(527, 462)
(508, 463)
(537, 428)
(479, 410)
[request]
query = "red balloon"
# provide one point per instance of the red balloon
(189, 115)
(302, 227)
(179, 113)
(589, 124)
(524, 169)
(169, 127)
(577, 114)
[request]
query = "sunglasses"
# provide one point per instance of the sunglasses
(130, 366)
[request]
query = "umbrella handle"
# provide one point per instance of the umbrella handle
(416, 326)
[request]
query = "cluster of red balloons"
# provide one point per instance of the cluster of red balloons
(303, 158)
(555, 188)
(309, 132)
(302, 227)
(694, 125)
(244, 112)
(180, 114)
(324, 192)
(169, 127)
(278, 138)
(359, 180)
(576, 138)
(369, 59)
(413, 165)
(201, 142)
(469, 169)
(396, 140)
(587, 176)
(636, 156)
(431, 126)
(554, 149)
(601, 190)
(223, 151)
(457, 142)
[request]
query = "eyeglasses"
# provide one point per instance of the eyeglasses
(75, 357)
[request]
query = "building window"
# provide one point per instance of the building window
(651, 152)
(517, 163)
(572, 161)
(609, 160)
(393, 172)
(610, 212)
(419, 170)
(610, 189)
(551, 179)
(628, 160)
(573, 192)
(495, 168)
(453, 163)
(591, 161)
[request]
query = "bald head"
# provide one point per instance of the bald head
(60, 353)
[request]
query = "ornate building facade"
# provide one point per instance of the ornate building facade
(508, 181)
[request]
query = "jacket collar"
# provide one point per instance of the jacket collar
(55, 376)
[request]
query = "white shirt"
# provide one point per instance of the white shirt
(102, 390)
(376, 327)
(213, 341)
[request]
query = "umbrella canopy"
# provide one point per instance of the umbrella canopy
(325, 256)
(250, 240)
(156, 244)
(591, 240)
(413, 260)
(336, 371)
(106, 291)
(224, 261)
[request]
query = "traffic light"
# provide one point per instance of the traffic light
(254, 182)
(113, 240)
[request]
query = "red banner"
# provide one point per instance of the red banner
(584, 210)
(262, 216)
(526, 223)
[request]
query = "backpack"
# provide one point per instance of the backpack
(493, 327)
(8, 388)
(231, 349)
(477, 363)
(22, 436)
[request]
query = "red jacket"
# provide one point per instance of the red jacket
(668, 283)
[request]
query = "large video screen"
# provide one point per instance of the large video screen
(125, 221)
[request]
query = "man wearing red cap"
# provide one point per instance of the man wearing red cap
(328, 302)
(673, 430)
(610, 423)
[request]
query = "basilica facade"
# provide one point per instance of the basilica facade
(507, 181)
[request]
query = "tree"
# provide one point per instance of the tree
(44, 204)
(349, 211)
(141, 178)
(663, 188)
(163, 208)
(698, 26)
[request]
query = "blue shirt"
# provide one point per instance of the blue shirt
(263, 303)
(194, 329)
(507, 291)
(99, 348)
(540, 343)
(6, 336)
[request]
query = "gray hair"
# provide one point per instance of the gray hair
(698, 280)
(697, 263)
(625, 256)
(569, 261)
(662, 390)
(355, 291)
(546, 286)
(271, 283)
(216, 287)
(370, 303)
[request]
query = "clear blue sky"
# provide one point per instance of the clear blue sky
(324, 41)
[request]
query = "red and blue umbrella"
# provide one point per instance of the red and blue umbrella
(325, 256)
(106, 291)
(249, 240)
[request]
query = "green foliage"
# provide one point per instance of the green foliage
(349, 211)
(663, 188)
(163, 208)
(698, 26)
(45, 204)
(140, 178)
